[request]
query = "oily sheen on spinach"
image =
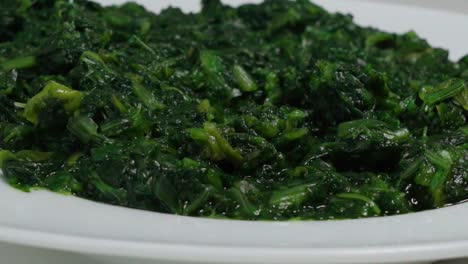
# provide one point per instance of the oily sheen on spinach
(275, 111)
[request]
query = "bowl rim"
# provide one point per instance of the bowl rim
(421, 251)
(89, 239)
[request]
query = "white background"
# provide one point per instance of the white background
(10, 254)
(460, 6)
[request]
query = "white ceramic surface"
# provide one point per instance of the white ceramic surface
(108, 233)
(458, 6)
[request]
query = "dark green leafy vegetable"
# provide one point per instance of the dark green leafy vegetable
(276, 111)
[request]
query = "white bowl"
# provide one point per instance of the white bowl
(120, 235)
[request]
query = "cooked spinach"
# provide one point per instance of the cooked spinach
(276, 111)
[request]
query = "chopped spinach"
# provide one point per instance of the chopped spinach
(275, 111)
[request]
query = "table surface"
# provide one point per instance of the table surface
(12, 254)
